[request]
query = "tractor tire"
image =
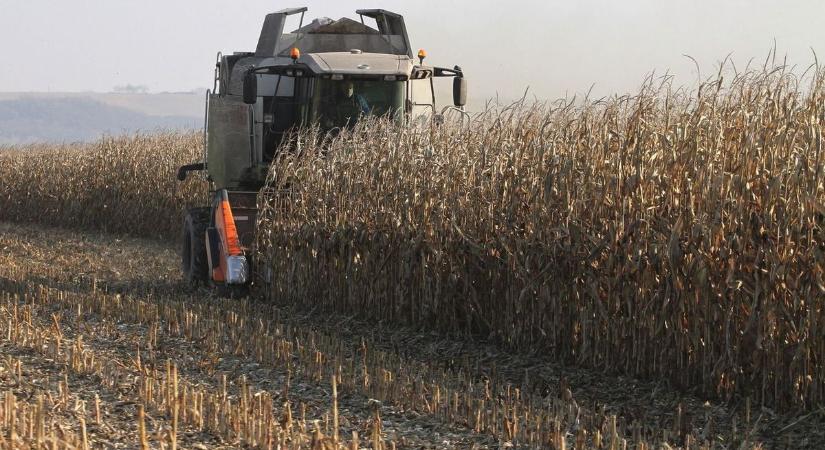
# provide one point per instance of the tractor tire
(193, 255)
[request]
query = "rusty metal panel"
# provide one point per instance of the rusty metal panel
(245, 212)
(245, 219)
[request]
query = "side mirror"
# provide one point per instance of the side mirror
(459, 91)
(250, 88)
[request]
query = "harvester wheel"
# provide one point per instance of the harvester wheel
(193, 257)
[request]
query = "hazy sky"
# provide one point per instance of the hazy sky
(554, 47)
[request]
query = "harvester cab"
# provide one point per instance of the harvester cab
(327, 73)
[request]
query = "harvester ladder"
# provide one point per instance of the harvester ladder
(217, 72)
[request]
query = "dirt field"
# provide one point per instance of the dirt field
(92, 325)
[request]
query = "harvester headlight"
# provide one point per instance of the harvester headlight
(389, 77)
(337, 76)
(236, 269)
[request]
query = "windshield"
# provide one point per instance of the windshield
(340, 103)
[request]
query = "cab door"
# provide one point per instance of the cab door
(421, 100)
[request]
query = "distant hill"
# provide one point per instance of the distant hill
(27, 117)
(40, 117)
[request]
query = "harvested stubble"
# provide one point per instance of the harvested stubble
(232, 327)
(247, 417)
(119, 184)
(672, 234)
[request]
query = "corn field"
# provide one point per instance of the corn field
(674, 234)
(632, 272)
(118, 184)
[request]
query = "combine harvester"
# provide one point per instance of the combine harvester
(327, 73)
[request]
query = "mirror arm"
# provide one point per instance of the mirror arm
(453, 108)
(444, 72)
